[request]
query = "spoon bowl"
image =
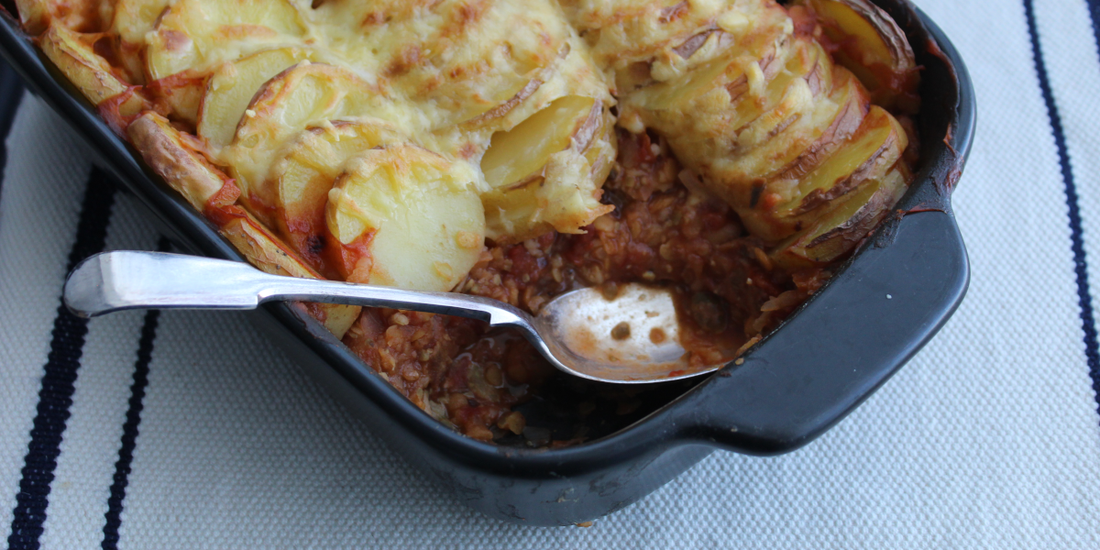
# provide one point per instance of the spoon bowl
(629, 339)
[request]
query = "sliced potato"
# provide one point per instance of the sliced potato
(73, 54)
(522, 152)
(852, 105)
(867, 155)
(745, 106)
(407, 217)
(83, 16)
(166, 151)
(872, 46)
(198, 35)
(179, 94)
(210, 191)
(648, 41)
(307, 170)
(849, 221)
(545, 173)
(232, 86)
(465, 58)
(132, 21)
(876, 146)
(304, 95)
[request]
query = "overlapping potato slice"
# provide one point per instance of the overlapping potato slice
(848, 222)
(876, 146)
(872, 151)
(728, 94)
(406, 217)
(545, 173)
(85, 16)
(472, 59)
(74, 55)
(231, 88)
(306, 172)
(755, 116)
(304, 95)
(210, 191)
(198, 35)
(647, 41)
(131, 21)
(873, 47)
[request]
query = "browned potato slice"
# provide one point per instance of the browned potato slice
(646, 41)
(740, 103)
(210, 191)
(73, 54)
(232, 86)
(872, 46)
(178, 95)
(849, 222)
(304, 95)
(867, 155)
(166, 151)
(407, 217)
(876, 147)
(458, 59)
(307, 170)
(81, 16)
(853, 104)
(545, 173)
(198, 35)
(132, 20)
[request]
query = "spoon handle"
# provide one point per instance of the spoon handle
(114, 281)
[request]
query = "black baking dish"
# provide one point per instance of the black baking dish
(883, 306)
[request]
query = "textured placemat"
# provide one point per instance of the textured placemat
(184, 429)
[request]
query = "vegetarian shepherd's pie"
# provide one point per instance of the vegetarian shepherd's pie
(733, 150)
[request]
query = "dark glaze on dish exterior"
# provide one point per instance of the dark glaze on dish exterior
(782, 395)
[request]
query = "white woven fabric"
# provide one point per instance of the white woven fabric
(989, 438)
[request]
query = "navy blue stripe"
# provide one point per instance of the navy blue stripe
(62, 363)
(130, 427)
(1094, 13)
(1080, 262)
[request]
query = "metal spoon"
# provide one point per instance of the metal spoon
(632, 339)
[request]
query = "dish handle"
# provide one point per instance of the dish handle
(826, 360)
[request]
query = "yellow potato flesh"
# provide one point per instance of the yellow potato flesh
(871, 43)
(231, 88)
(200, 34)
(306, 174)
(666, 95)
(87, 70)
(133, 18)
(304, 95)
(427, 220)
(880, 139)
(805, 58)
(873, 47)
(515, 155)
(837, 232)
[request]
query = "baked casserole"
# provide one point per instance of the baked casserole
(731, 150)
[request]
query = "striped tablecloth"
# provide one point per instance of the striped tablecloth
(187, 429)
